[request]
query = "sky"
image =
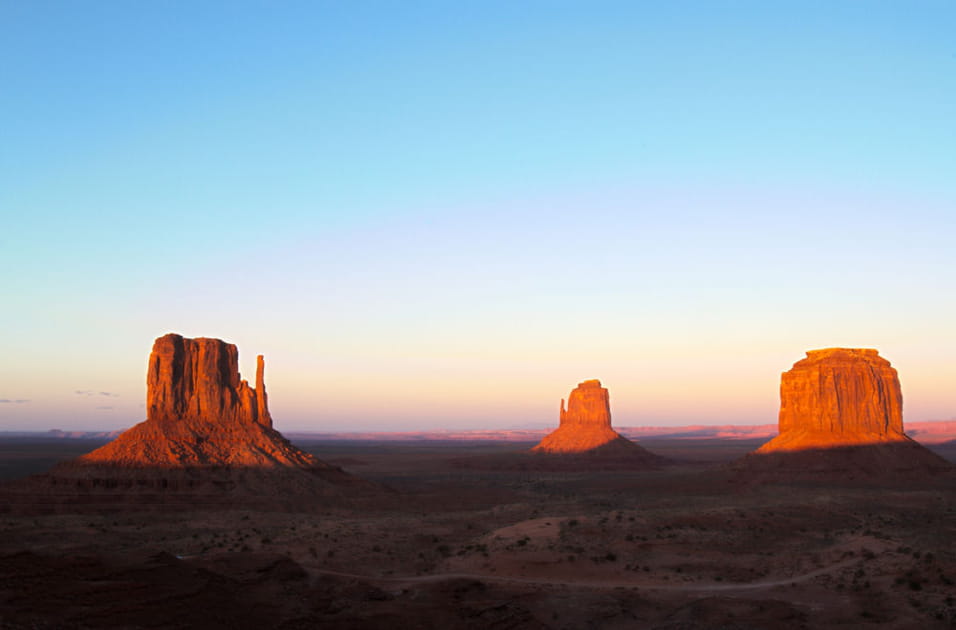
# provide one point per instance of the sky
(435, 215)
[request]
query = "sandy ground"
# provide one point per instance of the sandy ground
(684, 547)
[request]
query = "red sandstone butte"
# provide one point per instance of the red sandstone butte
(841, 420)
(585, 425)
(839, 397)
(199, 412)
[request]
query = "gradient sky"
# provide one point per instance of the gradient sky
(445, 214)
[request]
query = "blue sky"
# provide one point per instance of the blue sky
(435, 214)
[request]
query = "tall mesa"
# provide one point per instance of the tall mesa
(839, 396)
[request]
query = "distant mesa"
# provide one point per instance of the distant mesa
(842, 409)
(585, 429)
(585, 425)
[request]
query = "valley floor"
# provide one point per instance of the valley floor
(453, 545)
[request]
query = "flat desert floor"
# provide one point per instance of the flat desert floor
(454, 543)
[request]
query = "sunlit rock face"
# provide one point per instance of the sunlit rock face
(201, 413)
(839, 397)
(198, 379)
(841, 421)
(585, 425)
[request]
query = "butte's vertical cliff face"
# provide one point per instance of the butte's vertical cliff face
(839, 396)
(841, 418)
(589, 407)
(198, 380)
(585, 424)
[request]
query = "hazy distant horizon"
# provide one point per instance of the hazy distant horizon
(446, 215)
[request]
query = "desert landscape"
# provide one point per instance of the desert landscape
(154, 529)
(497, 315)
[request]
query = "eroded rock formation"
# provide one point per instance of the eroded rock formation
(198, 379)
(585, 429)
(201, 413)
(841, 418)
(839, 396)
(586, 424)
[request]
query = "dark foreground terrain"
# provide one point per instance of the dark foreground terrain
(455, 545)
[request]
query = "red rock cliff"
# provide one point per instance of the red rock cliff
(585, 425)
(198, 379)
(838, 397)
(200, 413)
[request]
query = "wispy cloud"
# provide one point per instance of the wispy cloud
(13, 401)
(88, 392)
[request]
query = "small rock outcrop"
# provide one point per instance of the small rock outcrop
(839, 396)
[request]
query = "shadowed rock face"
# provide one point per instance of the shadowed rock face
(839, 397)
